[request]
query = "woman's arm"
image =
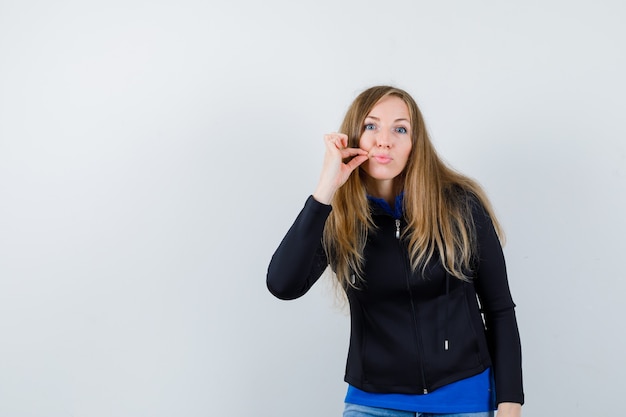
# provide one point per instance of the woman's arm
(300, 258)
(492, 287)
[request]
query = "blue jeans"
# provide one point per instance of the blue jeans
(354, 410)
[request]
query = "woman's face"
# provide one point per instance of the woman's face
(387, 139)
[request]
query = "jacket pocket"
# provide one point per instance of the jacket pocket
(452, 346)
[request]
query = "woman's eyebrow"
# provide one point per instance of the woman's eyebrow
(402, 119)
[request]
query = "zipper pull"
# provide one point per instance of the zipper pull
(397, 228)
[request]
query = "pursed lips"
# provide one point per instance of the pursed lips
(382, 158)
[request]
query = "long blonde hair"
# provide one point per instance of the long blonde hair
(437, 202)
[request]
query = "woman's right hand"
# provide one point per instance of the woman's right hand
(335, 171)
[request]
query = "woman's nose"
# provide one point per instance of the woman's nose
(383, 140)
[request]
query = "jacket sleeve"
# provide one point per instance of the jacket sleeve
(300, 258)
(497, 304)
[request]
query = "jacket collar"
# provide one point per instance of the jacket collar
(380, 206)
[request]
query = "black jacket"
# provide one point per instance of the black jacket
(411, 333)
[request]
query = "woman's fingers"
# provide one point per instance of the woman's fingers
(339, 163)
(348, 152)
(339, 141)
(336, 140)
(356, 161)
(337, 144)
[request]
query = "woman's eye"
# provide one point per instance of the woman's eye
(401, 129)
(370, 126)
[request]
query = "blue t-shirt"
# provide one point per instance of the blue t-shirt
(470, 395)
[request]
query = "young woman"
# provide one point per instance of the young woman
(415, 245)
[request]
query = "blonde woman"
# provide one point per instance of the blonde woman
(416, 248)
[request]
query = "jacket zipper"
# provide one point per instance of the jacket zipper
(418, 339)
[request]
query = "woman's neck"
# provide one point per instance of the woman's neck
(383, 189)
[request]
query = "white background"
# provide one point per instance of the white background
(154, 153)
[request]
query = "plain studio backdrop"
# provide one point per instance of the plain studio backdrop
(154, 153)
